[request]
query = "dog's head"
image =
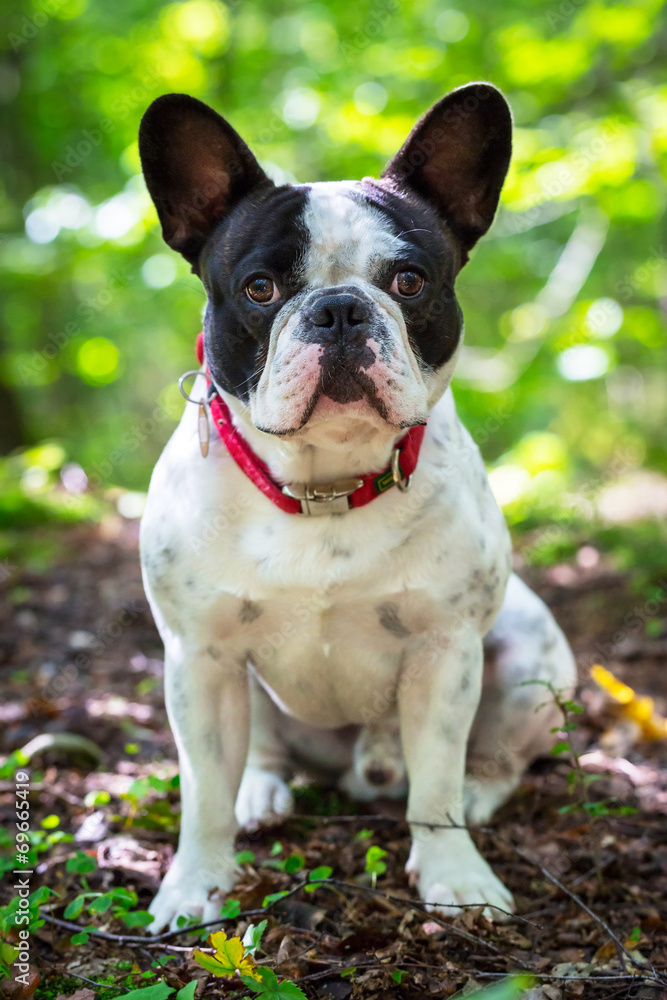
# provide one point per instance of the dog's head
(337, 298)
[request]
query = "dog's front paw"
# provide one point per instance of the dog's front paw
(263, 798)
(450, 874)
(193, 890)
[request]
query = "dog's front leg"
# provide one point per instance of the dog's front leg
(208, 706)
(438, 695)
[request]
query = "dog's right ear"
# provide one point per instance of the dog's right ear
(196, 168)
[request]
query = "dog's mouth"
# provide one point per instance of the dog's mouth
(343, 385)
(353, 390)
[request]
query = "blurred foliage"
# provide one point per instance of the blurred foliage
(563, 380)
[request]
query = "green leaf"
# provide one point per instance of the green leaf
(244, 857)
(294, 863)
(41, 895)
(123, 897)
(81, 864)
(188, 992)
(276, 849)
(101, 904)
(158, 991)
(73, 909)
(99, 798)
(8, 952)
(397, 975)
(137, 918)
(230, 909)
(374, 864)
(273, 897)
(50, 822)
(270, 989)
(253, 936)
(139, 789)
(81, 938)
(363, 835)
(319, 873)
(572, 706)
(159, 784)
(560, 748)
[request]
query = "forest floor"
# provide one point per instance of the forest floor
(587, 863)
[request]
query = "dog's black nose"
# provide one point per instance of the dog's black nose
(339, 313)
(377, 775)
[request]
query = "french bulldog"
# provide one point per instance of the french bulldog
(323, 556)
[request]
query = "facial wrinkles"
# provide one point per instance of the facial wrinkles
(347, 237)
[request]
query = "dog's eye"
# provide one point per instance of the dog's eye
(407, 283)
(262, 290)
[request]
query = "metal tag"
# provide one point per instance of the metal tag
(203, 427)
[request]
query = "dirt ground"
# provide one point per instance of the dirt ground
(587, 865)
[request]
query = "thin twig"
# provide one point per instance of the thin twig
(106, 986)
(168, 935)
(588, 979)
(415, 905)
(620, 947)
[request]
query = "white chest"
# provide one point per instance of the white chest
(322, 608)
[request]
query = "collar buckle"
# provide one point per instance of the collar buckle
(329, 498)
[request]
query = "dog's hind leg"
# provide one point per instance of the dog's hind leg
(525, 652)
(264, 796)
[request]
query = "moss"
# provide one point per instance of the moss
(52, 986)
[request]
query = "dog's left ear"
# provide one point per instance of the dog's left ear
(457, 157)
(196, 168)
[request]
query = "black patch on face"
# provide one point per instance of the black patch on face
(249, 612)
(264, 235)
(388, 615)
(433, 318)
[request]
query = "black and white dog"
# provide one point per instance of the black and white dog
(331, 579)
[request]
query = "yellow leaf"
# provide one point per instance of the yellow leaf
(230, 953)
(638, 708)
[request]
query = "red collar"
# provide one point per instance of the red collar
(302, 498)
